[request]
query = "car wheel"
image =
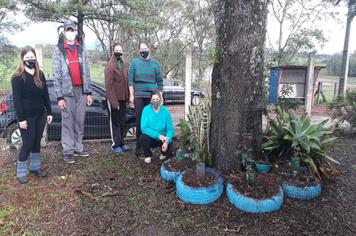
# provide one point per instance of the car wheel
(13, 135)
(196, 100)
(131, 132)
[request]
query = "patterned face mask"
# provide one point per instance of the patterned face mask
(30, 63)
(155, 104)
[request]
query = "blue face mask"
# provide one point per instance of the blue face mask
(144, 54)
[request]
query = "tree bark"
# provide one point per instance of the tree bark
(237, 101)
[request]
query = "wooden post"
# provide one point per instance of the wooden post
(188, 82)
(318, 91)
(335, 89)
(309, 84)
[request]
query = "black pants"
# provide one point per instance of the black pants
(146, 143)
(31, 137)
(140, 103)
(118, 124)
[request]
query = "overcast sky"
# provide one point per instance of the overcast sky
(45, 33)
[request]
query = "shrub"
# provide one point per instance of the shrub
(344, 109)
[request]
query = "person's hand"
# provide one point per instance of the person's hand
(118, 107)
(164, 146)
(131, 99)
(89, 100)
(49, 119)
(163, 139)
(23, 124)
(62, 104)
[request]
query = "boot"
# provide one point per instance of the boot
(21, 172)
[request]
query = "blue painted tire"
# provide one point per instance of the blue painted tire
(302, 193)
(200, 195)
(169, 175)
(253, 205)
(263, 168)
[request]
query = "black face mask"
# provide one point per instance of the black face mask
(144, 54)
(118, 55)
(30, 63)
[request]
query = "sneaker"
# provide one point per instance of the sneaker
(117, 150)
(162, 157)
(148, 160)
(125, 148)
(22, 180)
(81, 154)
(39, 172)
(68, 159)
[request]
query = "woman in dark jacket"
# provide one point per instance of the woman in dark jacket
(117, 93)
(33, 109)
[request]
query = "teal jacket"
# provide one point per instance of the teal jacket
(159, 123)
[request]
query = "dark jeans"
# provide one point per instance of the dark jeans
(146, 143)
(118, 124)
(31, 137)
(140, 103)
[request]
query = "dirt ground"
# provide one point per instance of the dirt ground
(109, 194)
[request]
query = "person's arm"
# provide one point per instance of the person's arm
(87, 72)
(131, 81)
(57, 73)
(145, 128)
(47, 102)
(169, 126)
(109, 88)
(16, 84)
(159, 80)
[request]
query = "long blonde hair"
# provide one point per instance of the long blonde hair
(21, 69)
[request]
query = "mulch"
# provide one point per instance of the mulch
(266, 186)
(191, 179)
(176, 165)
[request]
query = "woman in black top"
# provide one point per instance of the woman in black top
(33, 109)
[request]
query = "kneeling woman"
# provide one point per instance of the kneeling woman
(157, 129)
(33, 109)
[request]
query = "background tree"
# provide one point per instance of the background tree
(237, 80)
(8, 62)
(298, 22)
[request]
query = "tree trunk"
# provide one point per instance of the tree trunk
(237, 101)
(80, 30)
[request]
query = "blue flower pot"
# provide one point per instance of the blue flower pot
(263, 168)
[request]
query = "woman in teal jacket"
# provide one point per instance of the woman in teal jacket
(157, 129)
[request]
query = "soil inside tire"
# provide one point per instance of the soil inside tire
(175, 165)
(303, 179)
(191, 179)
(266, 186)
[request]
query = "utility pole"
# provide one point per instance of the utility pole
(345, 53)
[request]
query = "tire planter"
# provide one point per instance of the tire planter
(263, 168)
(169, 175)
(302, 193)
(253, 205)
(200, 195)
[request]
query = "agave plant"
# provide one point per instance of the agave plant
(290, 134)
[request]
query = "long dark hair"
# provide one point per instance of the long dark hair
(21, 68)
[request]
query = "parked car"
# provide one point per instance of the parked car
(174, 92)
(96, 125)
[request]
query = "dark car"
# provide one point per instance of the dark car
(174, 92)
(96, 125)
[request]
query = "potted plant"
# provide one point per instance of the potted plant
(302, 143)
(200, 184)
(251, 192)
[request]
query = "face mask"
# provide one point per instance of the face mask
(156, 104)
(30, 63)
(144, 54)
(118, 55)
(70, 36)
